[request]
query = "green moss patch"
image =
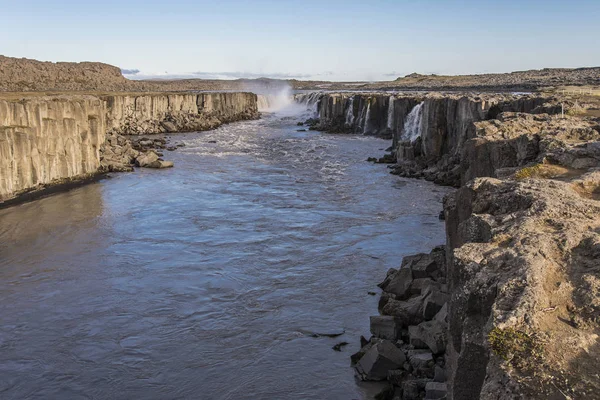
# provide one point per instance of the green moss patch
(516, 347)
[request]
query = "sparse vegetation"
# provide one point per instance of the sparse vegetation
(528, 172)
(541, 171)
(516, 347)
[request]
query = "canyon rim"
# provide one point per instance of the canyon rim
(315, 225)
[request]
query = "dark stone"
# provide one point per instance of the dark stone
(385, 327)
(435, 390)
(399, 283)
(429, 334)
(378, 360)
(338, 347)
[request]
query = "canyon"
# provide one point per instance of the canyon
(508, 307)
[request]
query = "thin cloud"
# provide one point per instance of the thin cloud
(248, 75)
(130, 71)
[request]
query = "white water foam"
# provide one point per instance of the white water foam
(367, 118)
(350, 112)
(390, 116)
(412, 125)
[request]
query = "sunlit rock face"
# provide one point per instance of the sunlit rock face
(160, 113)
(46, 140)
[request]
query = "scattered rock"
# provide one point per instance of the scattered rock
(378, 360)
(399, 283)
(428, 334)
(338, 347)
(435, 390)
(385, 327)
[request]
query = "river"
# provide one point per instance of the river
(208, 280)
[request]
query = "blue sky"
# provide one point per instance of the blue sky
(330, 40)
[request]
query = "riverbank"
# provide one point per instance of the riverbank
(244, 257)
(509, 308)
(46, 141)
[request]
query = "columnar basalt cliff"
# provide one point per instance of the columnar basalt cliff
(509, 308)
(160, 113)
(428, 143)
(50, 140)
(45, 139)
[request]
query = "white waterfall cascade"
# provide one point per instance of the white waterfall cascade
(367, 117)
(390, 116)
(412, 125)
(310, 102)
(350, 112)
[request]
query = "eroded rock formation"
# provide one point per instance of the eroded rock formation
(161, 113)
(521, 281)
(49, 140)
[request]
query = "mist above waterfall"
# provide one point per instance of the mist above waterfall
(278, 100)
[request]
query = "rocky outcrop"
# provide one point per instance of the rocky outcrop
(52, 140)
(515, 140)
(49, 139)
(161, 113)
(525, 305)
(521, 285)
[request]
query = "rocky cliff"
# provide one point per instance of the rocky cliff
(512, 310)
(50, 140)
(428, 130)
(160, 113)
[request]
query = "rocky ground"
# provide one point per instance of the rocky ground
(510, 307)
(25, 75)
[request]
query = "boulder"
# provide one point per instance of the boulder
(399, 283)
(442, 315)
(439, 374)
(435, 390)
(396, 376)
(355, 358)
(422, 363)
(169, 126)
(409, 312)
(423, 285)
(412, 389)
(151, 160)
(429, 334)
(422, 266)
(378, 360)
(385, 327)
(388, 276)
(433, 303)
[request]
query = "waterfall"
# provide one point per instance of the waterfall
(350, 112)
(412, 125)
(311, 102)
(262, 102)
(390, 116)
(367, 117)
